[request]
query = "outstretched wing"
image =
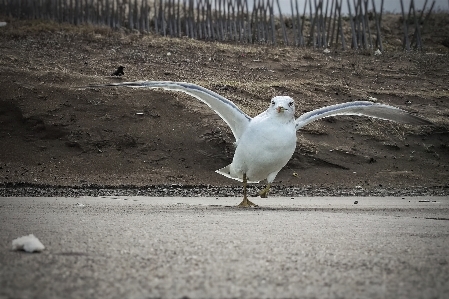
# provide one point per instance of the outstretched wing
(236, 119)
(361, 108)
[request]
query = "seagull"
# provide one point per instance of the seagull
(266, 142)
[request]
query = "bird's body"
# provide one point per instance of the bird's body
(265, 143)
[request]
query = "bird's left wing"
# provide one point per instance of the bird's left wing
(236, 119)
(361, 108)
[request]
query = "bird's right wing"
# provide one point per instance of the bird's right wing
(236, 119)
(361, 108)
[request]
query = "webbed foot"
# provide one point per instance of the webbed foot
(264, 192)
(246, 203)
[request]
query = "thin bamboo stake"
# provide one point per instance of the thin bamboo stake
(427, 16)
(370, 38)
(311, 41)
(417, 32)
(364, 24)
(405, 43)
(318, 17)
(340, 26)
(357, 23)
(378, 37)
(354, 36)
(273, 25)
(417, 26)
(248, 27)
(281, 19)
(325, 20)
(331, 27)
(296, 41)
(265, 22)
(298, 17)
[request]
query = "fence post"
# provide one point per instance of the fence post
(281, 19)
(232, 19)
(377, 19)
(270, 25)
(405, 43)
(340, 27)
(354, 36)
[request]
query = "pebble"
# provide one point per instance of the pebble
(28, 190)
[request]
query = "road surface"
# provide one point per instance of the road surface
(305, 247)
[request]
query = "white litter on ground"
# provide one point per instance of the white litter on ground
(28, 243)
(377, 52)
(3, 24)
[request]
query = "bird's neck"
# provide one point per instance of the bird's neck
(281, 117)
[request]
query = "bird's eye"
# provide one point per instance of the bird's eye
(290, 104)
(272, 103)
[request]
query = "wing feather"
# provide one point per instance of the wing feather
(361, 108)
(236, 119)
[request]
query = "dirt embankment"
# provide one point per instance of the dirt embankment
(51, 132)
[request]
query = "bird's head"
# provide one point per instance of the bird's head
(283, 106)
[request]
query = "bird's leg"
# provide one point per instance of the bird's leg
(245, 202)
(264, 192)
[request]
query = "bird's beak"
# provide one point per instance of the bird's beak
(280, 109)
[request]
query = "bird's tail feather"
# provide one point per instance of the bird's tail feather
(226, 171)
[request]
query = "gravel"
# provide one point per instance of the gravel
(30, 190)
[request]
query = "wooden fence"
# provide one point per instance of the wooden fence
(235, 20)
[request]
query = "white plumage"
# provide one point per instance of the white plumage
(265, 143)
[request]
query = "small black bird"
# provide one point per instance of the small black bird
(119, 71)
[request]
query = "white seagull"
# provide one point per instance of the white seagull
(265, 143)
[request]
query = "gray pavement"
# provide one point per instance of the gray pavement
(305, 247)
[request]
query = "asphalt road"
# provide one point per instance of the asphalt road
(306, 247)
